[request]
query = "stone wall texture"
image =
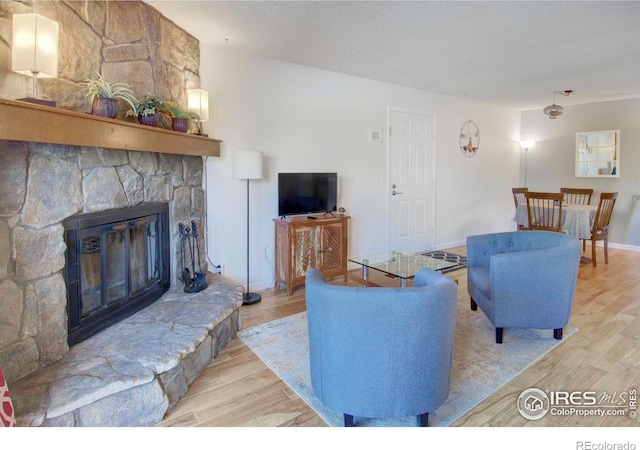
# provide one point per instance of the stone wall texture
(125, 41)
(42, 184)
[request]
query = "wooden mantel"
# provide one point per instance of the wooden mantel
(22, 121)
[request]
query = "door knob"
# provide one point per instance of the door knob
(395, 193)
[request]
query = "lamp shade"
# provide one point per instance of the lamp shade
(198, 102)
(247, 165)
(527, 144)
(34, 50)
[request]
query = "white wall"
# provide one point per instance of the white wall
(551, 162)
(306, 120)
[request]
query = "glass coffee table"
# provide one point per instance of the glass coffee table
(400, 265)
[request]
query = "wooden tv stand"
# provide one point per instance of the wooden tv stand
(302, 243)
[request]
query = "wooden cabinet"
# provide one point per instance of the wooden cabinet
(302, 244)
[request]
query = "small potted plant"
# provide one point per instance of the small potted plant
(147, 110)
(104, 96)
(180, 117)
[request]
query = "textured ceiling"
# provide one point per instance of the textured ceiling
(513, 54)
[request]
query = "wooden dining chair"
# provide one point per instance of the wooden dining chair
(544, 210)
(520, 199)
(600, 229)
(577, 196)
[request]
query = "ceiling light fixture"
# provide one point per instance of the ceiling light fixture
(553, 111)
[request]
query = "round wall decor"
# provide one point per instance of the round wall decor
(469, 138)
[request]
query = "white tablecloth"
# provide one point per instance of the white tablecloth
(577, 220)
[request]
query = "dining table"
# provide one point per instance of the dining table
(577, 220)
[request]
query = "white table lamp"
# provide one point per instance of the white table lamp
(198, 102)
(34, 49)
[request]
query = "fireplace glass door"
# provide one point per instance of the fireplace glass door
(128, 253)
(118, 264)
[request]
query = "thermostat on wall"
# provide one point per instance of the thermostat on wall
(375, 135)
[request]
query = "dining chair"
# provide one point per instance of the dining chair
(577, 196)
(600, 229)
(519, 199)
(544, 210)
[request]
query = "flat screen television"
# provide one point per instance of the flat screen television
(307, 193)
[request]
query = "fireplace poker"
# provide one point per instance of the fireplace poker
(186, 275)
(200, 279)
(190, 240)
(196, 239)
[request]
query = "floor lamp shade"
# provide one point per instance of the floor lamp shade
(247, 165)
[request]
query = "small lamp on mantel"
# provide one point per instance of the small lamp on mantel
(34, 50)
(198, 102)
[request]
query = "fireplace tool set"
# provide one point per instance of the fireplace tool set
(189, 239)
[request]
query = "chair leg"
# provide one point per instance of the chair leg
(499, 331)
(606, 250)
(423, 420)
(593, 253)
(557, 333)
(584, 245)
(348, 420)
(474, 305)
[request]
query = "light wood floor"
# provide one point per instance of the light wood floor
(238, 389)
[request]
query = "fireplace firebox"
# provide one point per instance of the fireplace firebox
(117, 263)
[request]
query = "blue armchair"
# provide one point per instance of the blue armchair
(523, 279)
(381, 352)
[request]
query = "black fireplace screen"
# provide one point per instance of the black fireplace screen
(117, 264)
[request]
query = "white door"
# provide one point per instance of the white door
(411, 190)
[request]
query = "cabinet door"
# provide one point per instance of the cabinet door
(331, 246)
(305, 250)
(281, 253)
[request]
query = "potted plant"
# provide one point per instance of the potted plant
(147, 109)
(104, 96)
(180, 117)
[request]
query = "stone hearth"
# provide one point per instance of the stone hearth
(132, 373)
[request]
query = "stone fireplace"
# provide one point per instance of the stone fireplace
(43, 185)
(133, 371)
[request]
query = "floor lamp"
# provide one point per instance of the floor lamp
(526, 145)
(247, 165)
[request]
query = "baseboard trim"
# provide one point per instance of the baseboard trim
(632, 248)
(450, 245)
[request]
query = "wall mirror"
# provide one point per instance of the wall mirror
(598, 154)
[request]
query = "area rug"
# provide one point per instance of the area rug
(480, 366)
(459, 260)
